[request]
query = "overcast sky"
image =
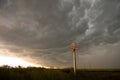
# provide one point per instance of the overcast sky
(41, 31)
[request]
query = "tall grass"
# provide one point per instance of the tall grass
(33, 73)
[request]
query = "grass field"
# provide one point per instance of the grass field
(32, 73)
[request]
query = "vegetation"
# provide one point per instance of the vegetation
(33, 73)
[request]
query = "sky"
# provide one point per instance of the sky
(40, 32)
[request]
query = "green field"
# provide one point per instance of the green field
(32, 73)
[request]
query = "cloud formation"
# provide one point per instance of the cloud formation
(42, 30)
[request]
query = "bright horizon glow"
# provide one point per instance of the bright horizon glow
(12, 61)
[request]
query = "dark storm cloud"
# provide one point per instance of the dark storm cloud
(27, 27)
(43, 29)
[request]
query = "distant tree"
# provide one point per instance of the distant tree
(6, 66)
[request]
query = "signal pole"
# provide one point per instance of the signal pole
(73, 50)
(74, 62)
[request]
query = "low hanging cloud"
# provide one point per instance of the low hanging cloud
(102, 56)
(41, 31)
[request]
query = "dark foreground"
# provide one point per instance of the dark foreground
(7, 73)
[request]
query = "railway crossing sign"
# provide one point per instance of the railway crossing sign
(74, 47)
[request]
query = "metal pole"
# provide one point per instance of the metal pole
(74, 62)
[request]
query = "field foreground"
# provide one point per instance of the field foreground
(32, 73)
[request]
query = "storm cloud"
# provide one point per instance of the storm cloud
(41, 31)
